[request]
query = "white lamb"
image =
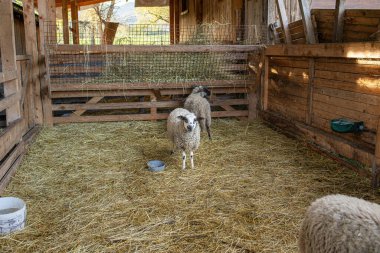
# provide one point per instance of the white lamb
(339, 223)
(197, 103)
(184, 132)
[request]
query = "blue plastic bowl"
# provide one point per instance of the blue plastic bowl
(156, 165)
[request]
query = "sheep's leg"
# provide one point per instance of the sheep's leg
(183, 160)
(192, 159)
(173, 149)
(209, 132)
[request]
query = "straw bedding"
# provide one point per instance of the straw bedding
(88, 190)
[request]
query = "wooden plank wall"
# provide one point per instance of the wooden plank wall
(359, 25)
(306, 91)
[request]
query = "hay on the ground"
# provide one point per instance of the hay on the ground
(88, 190)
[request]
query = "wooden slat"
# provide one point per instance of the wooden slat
(8, 76)
(264, 90)
(132, 86)
(112, 118)
(141, 92)
(339, 20)
(93, 100)
(370, 50)
(307, 22)
(349, 96)
(9, 101)
(134, 105)
(92, 49)
(11, 136)
(284, 20)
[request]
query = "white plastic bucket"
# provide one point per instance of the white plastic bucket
(12, 215)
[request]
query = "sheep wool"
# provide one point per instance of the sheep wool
(198, 104)
(184, 133)
(339, 223)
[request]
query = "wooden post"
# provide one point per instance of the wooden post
(65, 18)
(31, 49)
(284, 21)
(339, 20)
(8, 57)
(172, 22)
(307, 22)
(376, 159)
(74, 21)
(270, 18)
(52, 27)
(176, 21)
(43, 65)
(265, 86)
(310, 89)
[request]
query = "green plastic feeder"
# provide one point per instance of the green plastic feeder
(346, 126)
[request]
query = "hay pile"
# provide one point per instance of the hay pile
(88, 190)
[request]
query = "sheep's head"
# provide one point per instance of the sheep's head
(190, 121)
(202, 91)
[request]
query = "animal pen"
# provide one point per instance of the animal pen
(276, 85)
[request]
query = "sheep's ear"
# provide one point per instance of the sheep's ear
(200, 118)
(181, 117)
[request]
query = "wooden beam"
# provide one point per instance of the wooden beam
(307, 22)
(265, 86)
(284, 20)
(93, 100)
(112, 118)
(65, 19)
(8, 57)
(176, 21)
(370, 50)
(9, 100)
(135, 86)
(8, 76)
(138, 105)
(271, 16)
(95, 49)
(339, 20)
(52, 26)
(11, 136)
(376, 160)
(74, 21)
(32, 51)
(172, 22)
(310, 89)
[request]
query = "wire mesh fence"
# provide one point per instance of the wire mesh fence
(147, 67)
(91, 33)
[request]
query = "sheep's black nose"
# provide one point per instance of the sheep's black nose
(189, 128)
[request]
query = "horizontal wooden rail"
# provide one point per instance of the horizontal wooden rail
(133, 105)
(11, 136)
(112, 118)
(23, 57)
(8, 76)
(140, 92)
(10, 100)
(369, 50)
(126, 86)
(92, 49)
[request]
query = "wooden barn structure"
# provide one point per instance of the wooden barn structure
(298, 76)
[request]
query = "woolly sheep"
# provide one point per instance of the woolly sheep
(197, 103)
(184, 133)
(339, 223)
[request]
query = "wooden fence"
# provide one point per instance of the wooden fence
(75, 101)
(306, 86)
